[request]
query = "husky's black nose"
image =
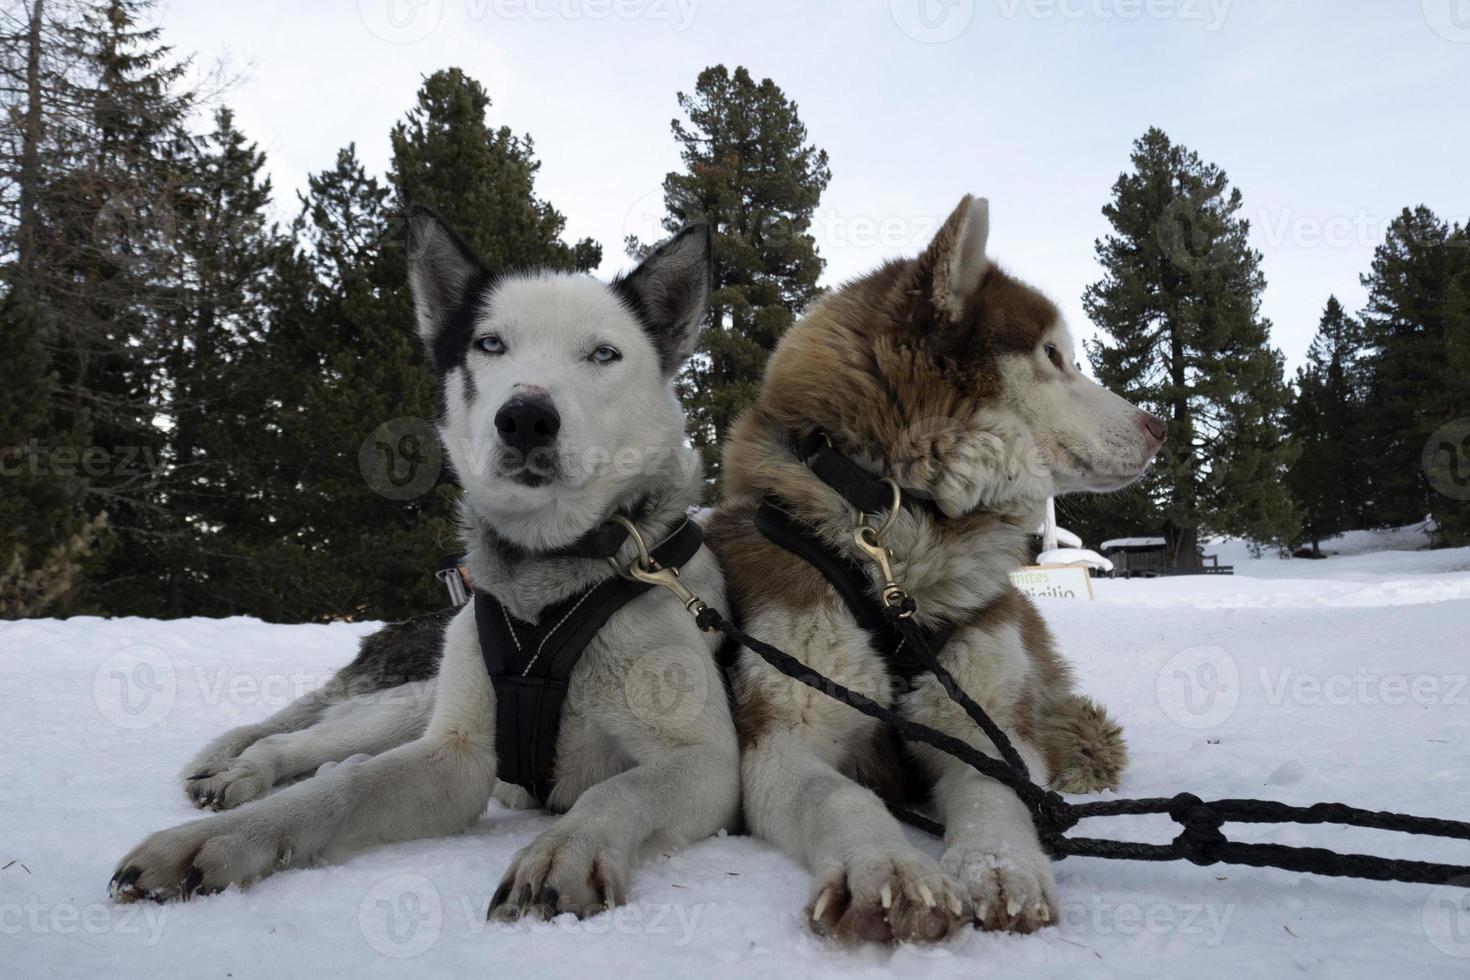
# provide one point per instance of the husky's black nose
(528, 423)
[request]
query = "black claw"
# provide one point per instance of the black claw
(127, 877)
(498, 899)
(547, 900)
(524, 898)
(191, 883)
(201, 774)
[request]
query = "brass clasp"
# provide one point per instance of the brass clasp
(869, 540)
(644, 569)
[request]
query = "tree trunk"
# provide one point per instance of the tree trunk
(30, 157)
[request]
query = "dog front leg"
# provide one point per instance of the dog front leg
(991, 845)
(869, 882)
(583, 864)
(684, 786)
(435, 785)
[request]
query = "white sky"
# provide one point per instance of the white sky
(1329, 115)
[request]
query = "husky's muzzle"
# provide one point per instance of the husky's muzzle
(528, 427)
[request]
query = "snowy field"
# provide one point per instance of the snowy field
(1344, 679)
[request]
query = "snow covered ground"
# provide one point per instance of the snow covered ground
(1343, 679)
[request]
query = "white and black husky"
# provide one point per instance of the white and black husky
(557, 411)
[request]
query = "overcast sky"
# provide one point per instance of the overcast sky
(1329, 115)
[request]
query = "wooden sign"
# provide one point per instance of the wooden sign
(1053, 581)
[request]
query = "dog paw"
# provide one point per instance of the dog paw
(885, 898)
(198, 858)
(226, 785)
(561, 871)
(219, 754)
(1011, 893)
(1084, 747)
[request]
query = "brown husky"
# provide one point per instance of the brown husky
(958, 382)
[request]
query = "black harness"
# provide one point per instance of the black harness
(530, 663)
(1200, 839)
(868, 494)
(852, 584)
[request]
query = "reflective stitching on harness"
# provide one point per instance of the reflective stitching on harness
(510, 625)
(542, 645)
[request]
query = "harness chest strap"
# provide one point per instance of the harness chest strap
(851, 583)
(530, 664)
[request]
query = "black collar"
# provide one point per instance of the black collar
(603, 541)
(868, 493)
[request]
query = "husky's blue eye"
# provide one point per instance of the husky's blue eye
(606, 355)
(491, 344)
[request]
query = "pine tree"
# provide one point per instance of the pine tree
(224, 250)
(43, 536)
(115, 150)
(481, 179)
(1179, 307)
(1415, 320)
(1325, 421)
(751, 174)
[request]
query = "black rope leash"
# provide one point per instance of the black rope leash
(1200, 839)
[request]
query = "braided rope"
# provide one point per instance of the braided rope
(1200, 839)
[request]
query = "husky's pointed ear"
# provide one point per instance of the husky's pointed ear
(441, 270)
(669, 291)
(955, 263)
